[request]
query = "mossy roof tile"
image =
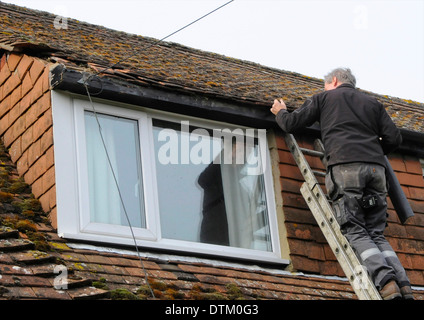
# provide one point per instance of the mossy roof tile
(145, 61)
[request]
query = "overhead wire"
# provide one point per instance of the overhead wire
(160, 40)
(85, 83)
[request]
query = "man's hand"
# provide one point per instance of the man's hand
(278, 105)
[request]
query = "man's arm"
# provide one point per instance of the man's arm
(390, 137)
(303, 117)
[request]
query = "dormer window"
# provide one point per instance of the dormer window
(182, 184)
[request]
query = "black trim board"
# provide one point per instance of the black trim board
(191, 104)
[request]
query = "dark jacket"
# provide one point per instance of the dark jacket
(355, 127)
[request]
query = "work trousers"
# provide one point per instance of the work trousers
(363, 222)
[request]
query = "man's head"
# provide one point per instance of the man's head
(337, 77)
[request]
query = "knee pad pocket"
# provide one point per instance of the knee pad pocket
(345, 208)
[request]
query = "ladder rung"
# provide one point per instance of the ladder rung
(319, 173)
(312, 152)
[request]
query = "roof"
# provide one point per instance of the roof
(31, 252)
(147, 62)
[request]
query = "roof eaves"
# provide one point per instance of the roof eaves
(162, 97)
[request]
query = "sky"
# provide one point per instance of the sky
(381, 41)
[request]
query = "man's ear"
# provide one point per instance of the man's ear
(335, 82)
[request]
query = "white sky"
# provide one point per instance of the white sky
(381, 41)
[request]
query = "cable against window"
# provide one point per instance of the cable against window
(85, 80)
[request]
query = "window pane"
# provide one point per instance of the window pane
(123, 149)
(206, 192)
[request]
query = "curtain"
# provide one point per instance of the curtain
(245, 206)
(121, 140)
(104, 200)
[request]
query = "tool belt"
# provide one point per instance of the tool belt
(368, 201)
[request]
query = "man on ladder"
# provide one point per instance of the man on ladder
(356, 132)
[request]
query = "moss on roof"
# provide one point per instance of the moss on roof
(145, 61)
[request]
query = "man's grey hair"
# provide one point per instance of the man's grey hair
(343, 75)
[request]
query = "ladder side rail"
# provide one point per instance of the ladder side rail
(355, 272)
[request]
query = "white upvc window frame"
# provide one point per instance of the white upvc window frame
(422, 165)
(151, 230)
(72, 187)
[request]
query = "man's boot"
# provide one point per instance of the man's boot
(390, 291)
(406, 292)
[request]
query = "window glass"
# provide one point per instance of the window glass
(121, 139)
(206, 191)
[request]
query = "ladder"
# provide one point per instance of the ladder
(323, 213)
